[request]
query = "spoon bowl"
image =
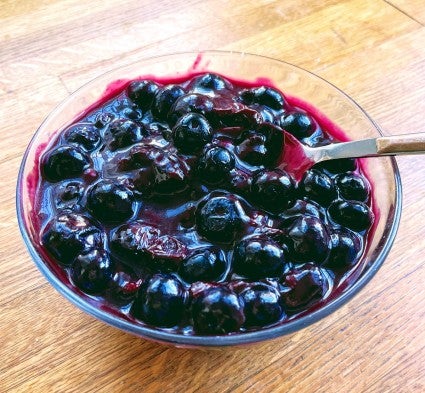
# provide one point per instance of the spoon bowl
(298, 158)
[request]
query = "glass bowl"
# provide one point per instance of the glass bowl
(329, 100)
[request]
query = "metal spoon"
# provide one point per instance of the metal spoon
(298, 158)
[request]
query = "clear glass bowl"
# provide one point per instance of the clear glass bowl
(330, 101)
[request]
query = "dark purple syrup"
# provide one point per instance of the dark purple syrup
(164, 203)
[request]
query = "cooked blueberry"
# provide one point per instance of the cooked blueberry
(161, 172)
(303, 208)
(164, 99)
(159, 129)
(264, 96)
(124, 286)
(65, 162)
(298, 124)
(131, 113)
(142, 93)
(258, 257)
(209, 81)
(92, 271)
(217, 310)
(218, 219)
(166, 252)
(203, 265)
(68, 235)
(125, 108)
(318, 186)
(267, 115)
(160, 301)
(110, 202)
(240, 181)
(346, 247)
(190, 103)
(253, 149)
(309, 240)
(304, 287)
(273, 190)
(85, 135)
(244, 117)
(261, 305)
(130, 242)
(262, 146)
(340, 165)
(215, 164)
(103, 119)
(191, 133)
(69, 193)
(123, 133)
(351, 214)
(352, 186)
(170, 174)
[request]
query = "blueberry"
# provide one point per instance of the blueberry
(123, 133)
(209, 81)
(346, 247)
(218, 219)
(190, 103)
(267, 115)
(159, 129)
(263, 95)
(170, 173)
(304, 287)
(68, 194)
(215, 164)
(353, 187)
(140, 156)
(191, 133)
(258, 257)
(298, 124)
(303, 208)
(261, 305)
(142, 93)
(243, 117)
(309, 240)
(263, 146)
(124, 286)
(130, 242)
(103, 119)
(64, 162)
(273, 190)
(164, 100)
(240, 181)
(252, 149)
(318, 186)
(92, 272)
(68, 235)
(203, 265)
(85, 135)
(217, 310)
(126, 109)
(166, 253)
(160, 301)
(110, 202)
(351, 214)
(163, 173)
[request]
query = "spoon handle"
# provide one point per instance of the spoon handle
(401, 144)
(373, 147)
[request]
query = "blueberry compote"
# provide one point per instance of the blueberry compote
(167, 203)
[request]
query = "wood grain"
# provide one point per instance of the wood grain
(373, 50)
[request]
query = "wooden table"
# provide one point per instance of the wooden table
(373, 50)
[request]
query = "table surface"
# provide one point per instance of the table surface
(373, 50)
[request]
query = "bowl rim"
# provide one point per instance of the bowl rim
(156, 334)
